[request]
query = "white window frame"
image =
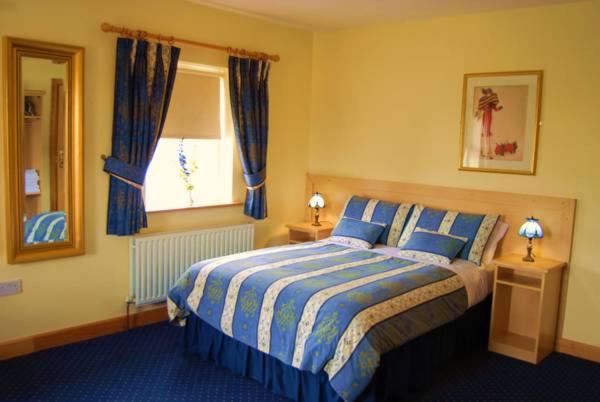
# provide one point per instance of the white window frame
(226, 134)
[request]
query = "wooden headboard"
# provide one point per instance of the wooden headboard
(557, 215)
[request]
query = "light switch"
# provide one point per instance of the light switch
(11, 287)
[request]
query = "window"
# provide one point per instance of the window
(193, 164)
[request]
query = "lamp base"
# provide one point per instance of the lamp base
(529, 256)
(316, 222)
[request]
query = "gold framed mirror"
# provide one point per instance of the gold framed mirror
(43, 150)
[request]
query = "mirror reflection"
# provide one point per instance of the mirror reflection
(44, 169)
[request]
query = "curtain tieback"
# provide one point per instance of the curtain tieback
(256, 180)
(130, 174)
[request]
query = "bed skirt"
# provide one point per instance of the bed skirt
(402, 371)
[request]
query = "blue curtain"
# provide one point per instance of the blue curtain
(249, 95)
(145, 73)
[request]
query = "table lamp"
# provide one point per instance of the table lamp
(316, 202)
(532, 230)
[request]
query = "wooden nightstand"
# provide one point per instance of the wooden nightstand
(525, 307)
(305, 231)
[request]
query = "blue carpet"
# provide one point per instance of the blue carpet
(146, 364)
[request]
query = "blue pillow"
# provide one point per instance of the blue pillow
(434, 247)
(476, 228)
(392, 215)
(356, 233)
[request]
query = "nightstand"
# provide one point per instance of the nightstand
(305, 231)
(525, 307)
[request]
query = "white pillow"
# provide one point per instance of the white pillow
(489, 252)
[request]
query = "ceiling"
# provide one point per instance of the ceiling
(332, 14)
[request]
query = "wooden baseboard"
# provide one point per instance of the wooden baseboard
(578, 349)
(35, 343)
(23, 346)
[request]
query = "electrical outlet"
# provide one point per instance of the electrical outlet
(11, 287)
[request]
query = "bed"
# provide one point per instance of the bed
(347, 307)
(331, 321)
(46, 227)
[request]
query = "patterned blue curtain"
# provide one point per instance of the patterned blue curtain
(145, 73)
(249, 95)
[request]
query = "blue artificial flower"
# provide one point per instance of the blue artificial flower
(182, 159)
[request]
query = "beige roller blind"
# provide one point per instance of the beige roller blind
(194, 111)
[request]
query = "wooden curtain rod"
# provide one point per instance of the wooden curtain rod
(139, 34)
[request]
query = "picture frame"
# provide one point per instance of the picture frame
(500, 122)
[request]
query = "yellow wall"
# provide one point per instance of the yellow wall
(386, 105)
(93, 287)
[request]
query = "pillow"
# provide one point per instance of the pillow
(489, 252)
(392, 215)
(356, 233)
(430, 246)
(475, 227)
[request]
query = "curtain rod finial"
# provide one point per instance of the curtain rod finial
(106, 27)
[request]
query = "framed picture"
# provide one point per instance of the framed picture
(500, 122)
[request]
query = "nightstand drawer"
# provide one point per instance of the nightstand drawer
(306, 231)
(300, 237)
(527, 280)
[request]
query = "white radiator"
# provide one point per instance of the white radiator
(156, 261)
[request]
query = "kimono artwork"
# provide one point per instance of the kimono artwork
(488, 104)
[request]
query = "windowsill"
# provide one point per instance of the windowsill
(231, 204)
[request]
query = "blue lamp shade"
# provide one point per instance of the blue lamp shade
(316, 201)
(531, 229)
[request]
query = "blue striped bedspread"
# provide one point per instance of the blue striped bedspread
(320, 306)
(46, 227)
